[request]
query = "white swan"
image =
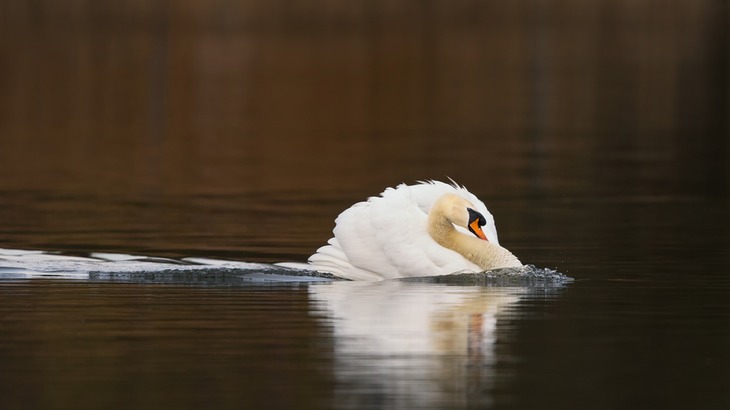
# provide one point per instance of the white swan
(431, 228)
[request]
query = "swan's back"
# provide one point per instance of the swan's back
(386, 236)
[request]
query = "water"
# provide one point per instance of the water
(595, 132)
(646, 316)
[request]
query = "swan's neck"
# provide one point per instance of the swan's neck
(482, 253)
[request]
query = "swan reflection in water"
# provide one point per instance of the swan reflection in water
(407, 345)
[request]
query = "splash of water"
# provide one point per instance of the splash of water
(19, 264)
(525, 275)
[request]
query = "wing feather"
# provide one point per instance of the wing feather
(386, 236)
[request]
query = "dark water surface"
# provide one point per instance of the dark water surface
(644, 323)
(596, 133)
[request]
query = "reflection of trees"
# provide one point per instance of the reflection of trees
(413, 345)
(161, 86)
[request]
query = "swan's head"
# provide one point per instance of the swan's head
(463, 213)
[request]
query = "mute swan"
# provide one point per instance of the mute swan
(427, 229)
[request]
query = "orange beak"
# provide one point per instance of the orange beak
(477, 229)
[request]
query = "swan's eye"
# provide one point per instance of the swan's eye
(476, 221)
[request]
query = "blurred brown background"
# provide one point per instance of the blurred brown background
(521, 97)
(595, 130)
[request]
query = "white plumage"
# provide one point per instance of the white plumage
(391, 236)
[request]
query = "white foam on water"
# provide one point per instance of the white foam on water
(18, 264)
(15, 263)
